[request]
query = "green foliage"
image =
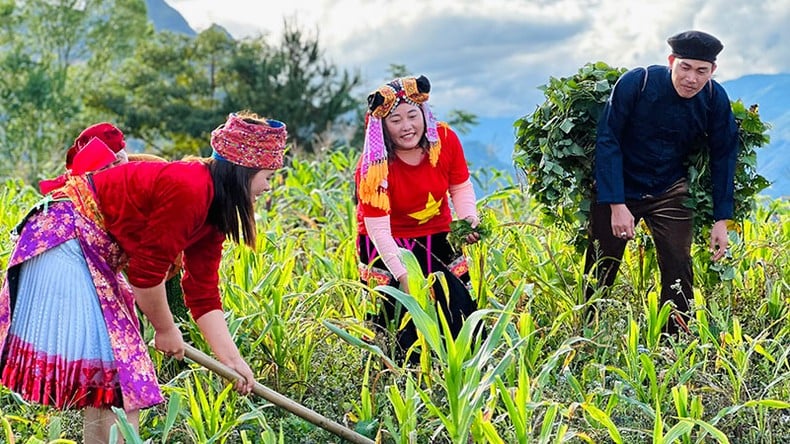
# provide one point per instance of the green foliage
(555, 145)
(52, 52)
(162, 94)
(175, 298)
(555, 148)
(296, 84)
(461, 121)
(752, 134)
(34, 95)
(174, 89)
(66, 64)
(461, 228)
(466, 363)
(297, 311)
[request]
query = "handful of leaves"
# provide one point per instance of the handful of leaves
(461, 228)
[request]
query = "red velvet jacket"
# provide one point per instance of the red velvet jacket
(156, 210)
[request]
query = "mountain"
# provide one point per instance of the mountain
(490, 143)
(166, 18)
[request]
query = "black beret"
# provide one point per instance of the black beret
(695, 45)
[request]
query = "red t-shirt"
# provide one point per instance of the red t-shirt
(155, 210)
(418, 193)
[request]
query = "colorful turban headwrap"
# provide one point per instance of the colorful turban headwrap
(255, 145)
(374, 167)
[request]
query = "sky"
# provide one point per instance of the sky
(489, 57)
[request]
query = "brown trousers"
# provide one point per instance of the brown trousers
(671, 225)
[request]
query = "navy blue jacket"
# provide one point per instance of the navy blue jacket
(647, 131)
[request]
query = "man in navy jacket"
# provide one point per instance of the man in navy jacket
(651, 122)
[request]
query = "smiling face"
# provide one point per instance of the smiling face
(405, 126)
(689, 76)
(260, 182)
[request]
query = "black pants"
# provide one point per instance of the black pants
(671, 225)
(434, 254)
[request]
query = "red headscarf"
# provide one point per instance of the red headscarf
(106, 132)
(94, 148)
(258, 145)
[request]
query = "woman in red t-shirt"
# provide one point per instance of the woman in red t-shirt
(409, 167)
(69, 334)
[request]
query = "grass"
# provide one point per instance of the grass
(298, 313)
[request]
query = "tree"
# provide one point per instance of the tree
(174, 89)
(53, 51)
(293, 83)
(163, 94)
(33, 92)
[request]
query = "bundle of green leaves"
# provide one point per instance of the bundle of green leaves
(555, 147)
(461, 228)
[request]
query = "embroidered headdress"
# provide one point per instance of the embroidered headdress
(381, 103)
(256, 145)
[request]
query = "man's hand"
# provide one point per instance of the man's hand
(719, 240)
(622, 222)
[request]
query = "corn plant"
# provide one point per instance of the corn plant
(365, 410)
(657, 317)
(520, 404)
(405, 407)
(297, 310)
(122, 428)
(464, 376)
(211, 417)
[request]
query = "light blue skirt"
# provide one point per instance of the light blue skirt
(58, 351)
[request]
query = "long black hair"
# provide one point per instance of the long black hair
(232, 206)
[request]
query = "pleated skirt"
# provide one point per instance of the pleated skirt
(58, 350)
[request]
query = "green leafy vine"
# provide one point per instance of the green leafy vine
(555, 147)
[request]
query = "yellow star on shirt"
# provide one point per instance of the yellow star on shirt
(431, 209)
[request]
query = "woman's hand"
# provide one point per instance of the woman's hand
(170, 342)
(153, 303)
(473, 236)
(244, 385)
(215, 330)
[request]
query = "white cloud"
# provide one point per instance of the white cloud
(489, 57)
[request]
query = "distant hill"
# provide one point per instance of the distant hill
(166, 18)
(490, 143)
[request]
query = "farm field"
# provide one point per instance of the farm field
(541, 374)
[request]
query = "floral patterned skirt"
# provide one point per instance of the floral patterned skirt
(69, 333)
